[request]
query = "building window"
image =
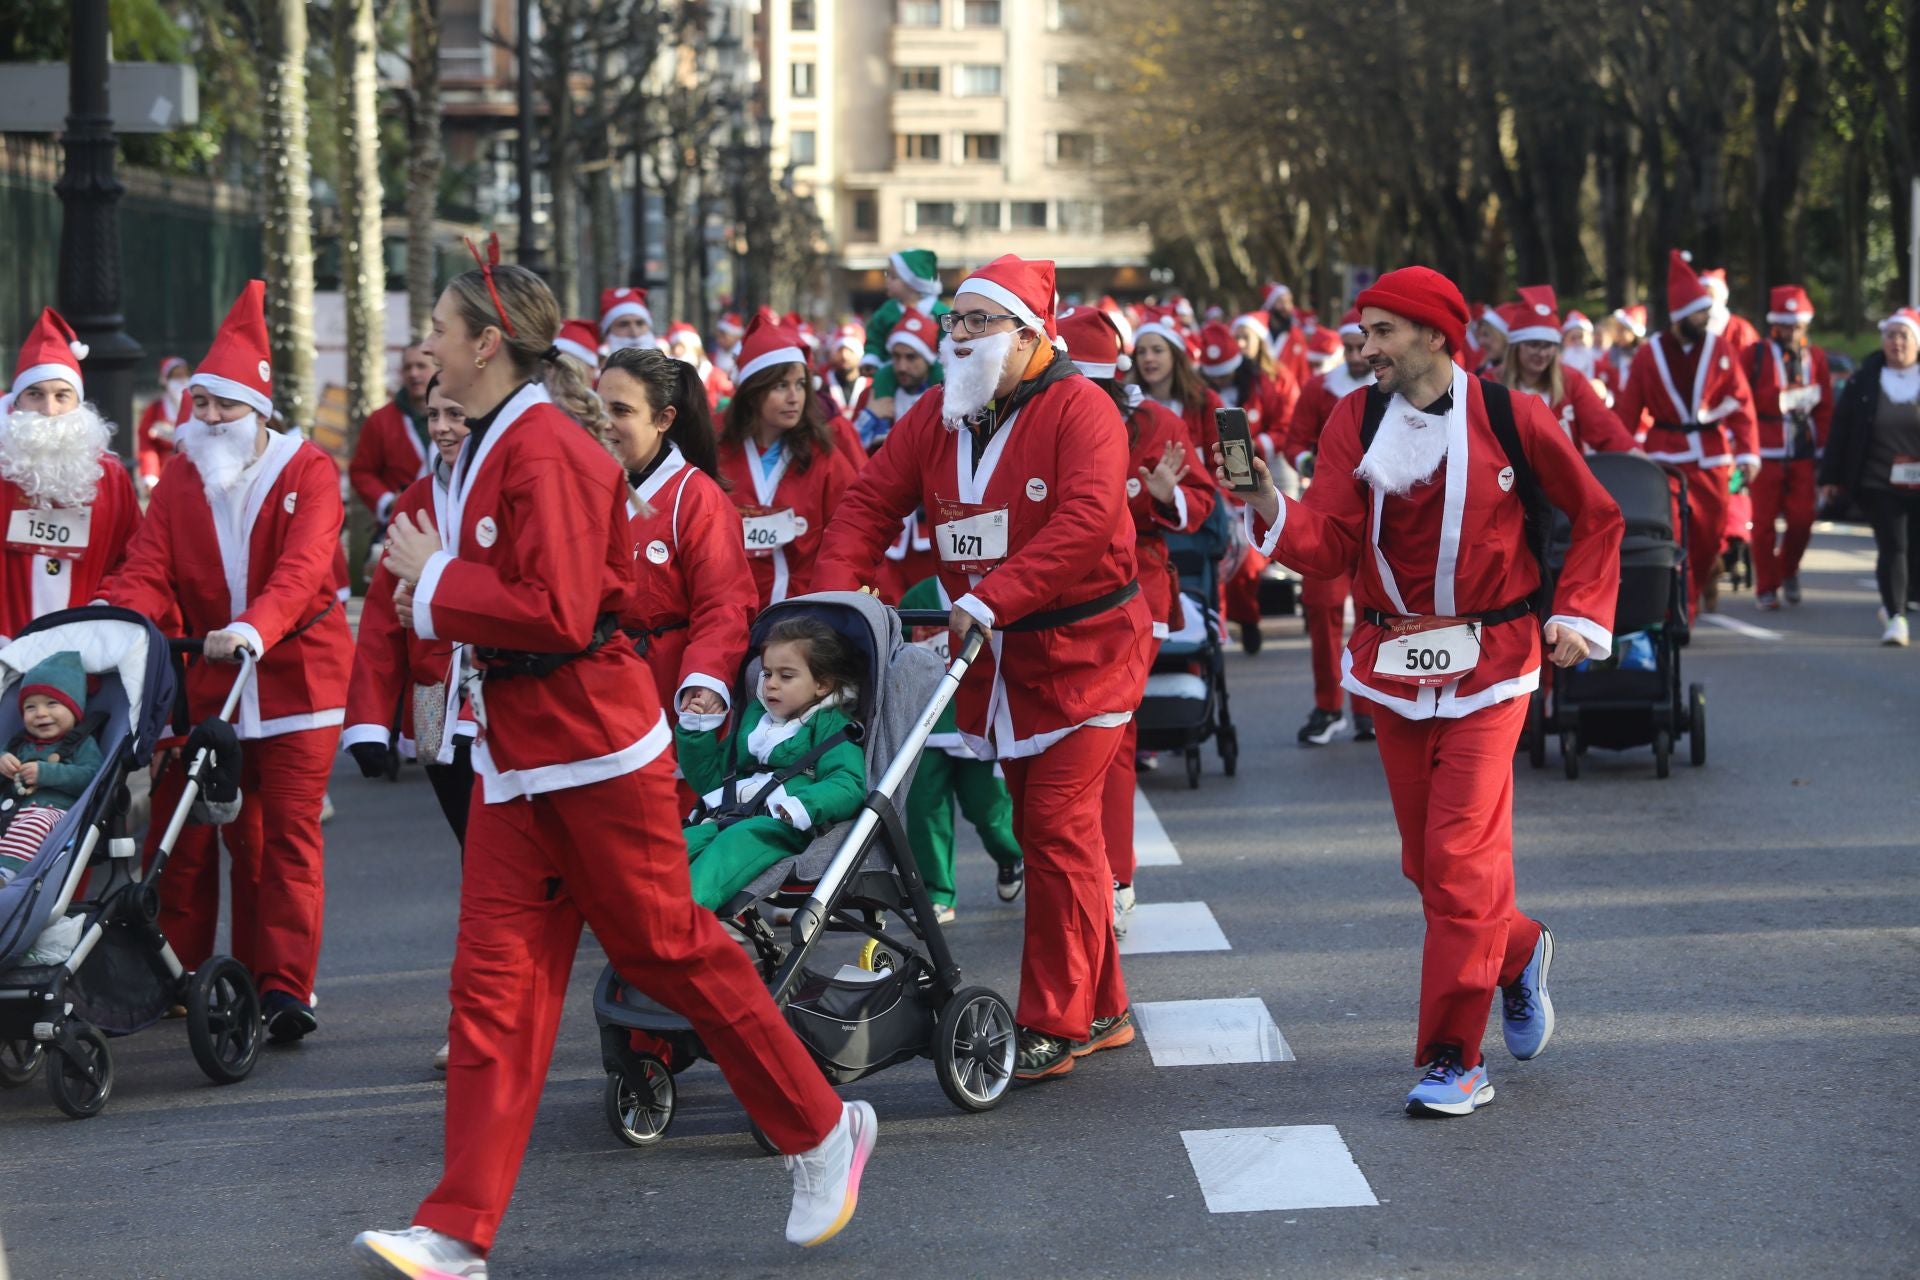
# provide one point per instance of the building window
(981, 13)
(981, 147)
(916, 79)
(803, 79)
(1068, 79)
(866, 217)
(800, 15)
(917, 147)
(979, 80)
(916, 13)
(932, 214)
(1079, 217)
(802, 149)
(983, 215)
(464, 52)
(1028, 215)
(1068, 15)
(1073, 149)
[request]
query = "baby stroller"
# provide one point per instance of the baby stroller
(118, 974)
(905, 998)
(1635, 698)
(1186, 697)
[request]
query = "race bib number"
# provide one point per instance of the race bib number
(768, 531)
(50, 531)
(1437, 656)
(1906, 473)
(971, 538)
(938, 645)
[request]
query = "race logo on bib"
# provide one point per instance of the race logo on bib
(657, 551)
(1037, 489)
(486, 531)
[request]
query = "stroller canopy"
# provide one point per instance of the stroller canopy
(109, 641)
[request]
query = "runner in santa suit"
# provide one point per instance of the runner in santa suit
(1577, 349)
(1433, 513)
(783, 464)
(683, 343)
(842, 381)
(1167, 492)
(1534, 366)
(69, 506)
(1165, 373)
(241, 537)
(1323, 600)
(575, 815)
(1284, 339)
(1022, 464)
(625, 320)
(153, 442)
(1689, 396)
(394, 451)
(1793, 401)
(1265, 390)
(727, 332)
(1492, 328)
(1624, 335)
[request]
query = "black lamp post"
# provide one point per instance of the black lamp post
(90, 228)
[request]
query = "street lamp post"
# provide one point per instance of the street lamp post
(90, 193)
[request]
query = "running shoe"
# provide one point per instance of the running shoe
(1896, 633)
(1768, 600)
(1250, 638)
(287, 1018)
(943, 913)
(441, 1055)
(418, 1253)
(1526, 1010)
(1013, 878)
(1122, 909)
(826, 1180)
(1791, 589)
(1146, 761)
(1107, 1033)
(1448, 1089)
(1041, 1056)
(1362, 727)
(1322, 726)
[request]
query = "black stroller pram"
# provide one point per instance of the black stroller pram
(905, 998)
(1610, 705)
(1185, 703)
(119, 975)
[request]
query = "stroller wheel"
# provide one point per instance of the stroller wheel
(1229, 739)
(19, 1061)
(81, 1082)
(1570, 754)
(973, 1048)
(223, 1020)
(875, 958)
(761, 1140)
(1662, 753)
(639, 1102)
(1193, 768)
(1697, 724)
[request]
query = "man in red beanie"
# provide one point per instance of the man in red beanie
(1422, 491)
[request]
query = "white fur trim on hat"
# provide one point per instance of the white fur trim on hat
(915, 343)
(1225, 365)
(1093, 370)
(625, 307)
(922, 285)
(1901, 317)
(1166, 332)
(1536, 333)
(767, 360)
(1251, 321)
(1699, 304)
(1005, 297)
(1790, 317)
(1493, 319)
(49, 373)
(579, 351)
(227, 389)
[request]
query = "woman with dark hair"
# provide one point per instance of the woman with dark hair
(694, 597)
(786, 465)
(1164, 371)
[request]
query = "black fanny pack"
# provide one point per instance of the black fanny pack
(508, 664)
(1518, 609)
(1048, 619)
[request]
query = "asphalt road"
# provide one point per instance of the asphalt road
(1738, 986)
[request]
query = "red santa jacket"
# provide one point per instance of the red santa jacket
(1454, 546)
(1812, 392)
(264, 568)
(846, 439)
(390, 456)
(1192, 502)
(694, 595)
(1057, 472)
(1670, 387)
(1316, 405)
(1294, 356)
(1738, 333)
(153, 442)
(1584, 416)
(909, 561)
(34, 583)
(537, 552)
(785, 570)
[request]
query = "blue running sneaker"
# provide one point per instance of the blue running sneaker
(1448, 1089)
(1526, 1010)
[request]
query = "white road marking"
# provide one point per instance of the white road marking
(1742, 628)
(1172, 926)
(1192, 1033)
(1151, 846)
(1304, 1166)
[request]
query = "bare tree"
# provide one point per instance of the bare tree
(425, 159)
(363, 269)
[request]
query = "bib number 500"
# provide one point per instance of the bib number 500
(1428, 660)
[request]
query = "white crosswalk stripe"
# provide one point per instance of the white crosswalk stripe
(1302, 1166)
(1172, 926)
(1186, 1033)
(1151, 847)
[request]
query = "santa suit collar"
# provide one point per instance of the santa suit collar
(1453, 468)
(1343, 384)
(235, 512)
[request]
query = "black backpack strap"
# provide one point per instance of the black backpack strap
(88, 725)
(729, 811)
(1499, 402)
(1372, 416)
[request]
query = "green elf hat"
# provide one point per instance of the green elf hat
(919, 268)
(59, 676)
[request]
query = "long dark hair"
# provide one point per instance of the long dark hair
(1117, 391)
(671, 383)
(809, 436)
(1185, 384)
(829, 658)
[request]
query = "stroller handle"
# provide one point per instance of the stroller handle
(248, 662)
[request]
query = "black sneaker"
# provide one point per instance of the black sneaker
(1041, 1056)
(1250, 638)
(1362, 728)
(1791, 589)
(1321, 727)
(1107, 1033)
(1013, 878)
(287, 1019)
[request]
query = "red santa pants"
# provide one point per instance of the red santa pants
(1452, 788)
(1707, 527)
(1782, 488)
(609, 854)
(1116, 805)
(1069, 961)
(1242, 591)
(276, 884)
(1324, 603)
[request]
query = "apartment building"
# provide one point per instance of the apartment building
(963, 126)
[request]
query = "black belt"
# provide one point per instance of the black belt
(507, 664)
(643, 637)
(1048, 619)
(1518, 609)
(1686, 428)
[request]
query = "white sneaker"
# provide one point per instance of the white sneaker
(826, 1180)
(1896, 632)
(441, 1055)
(1122, 908)
(418, 1253)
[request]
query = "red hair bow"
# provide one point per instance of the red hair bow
(487, 264)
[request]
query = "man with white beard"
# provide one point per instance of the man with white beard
(1021, 466)
(68, 503)
(241, 538)
(1422, 491)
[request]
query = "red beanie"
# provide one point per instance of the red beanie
(1424, 296)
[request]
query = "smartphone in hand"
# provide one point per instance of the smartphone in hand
(1236, 449)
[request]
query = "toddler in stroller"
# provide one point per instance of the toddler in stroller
(50, 763)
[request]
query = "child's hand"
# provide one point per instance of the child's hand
(29, 775)
(9, 765)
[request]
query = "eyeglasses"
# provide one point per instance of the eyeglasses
(974, 322)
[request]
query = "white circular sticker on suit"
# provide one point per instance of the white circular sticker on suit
(1037, 489)
(799, 524)
(1133, 486)
(290, 503)
(1506, 479)
(266, 372)
(657, 551)
(1725, 363)
(486, 532)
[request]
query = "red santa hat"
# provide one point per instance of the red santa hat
(170, 364)
(1093, 342)
(238, 365)
(1270, 297)
(629, 301)
(1494, 318)
(730, 324)
(1788, 304)
(1307, 318)
(1324, 347)
(1118, 314)
(1219, 351)
(50, 352)
(1686, 293)
(1715, 278)
(681, 331)
(1424, 296)
(768, 344)
(1536, 318)
(579, 339)
(1634, 318)
(916, 332)
(1024, 286)
(1906, 316)
(1350, 325)
(1575, 323)
(1162, 323)
(851, 337)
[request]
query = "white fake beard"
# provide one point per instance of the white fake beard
(219, 452)
(633, 342)
(971, 381)
(1406, 451)
(170, 400)
(54, 459)
(1580, 359)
